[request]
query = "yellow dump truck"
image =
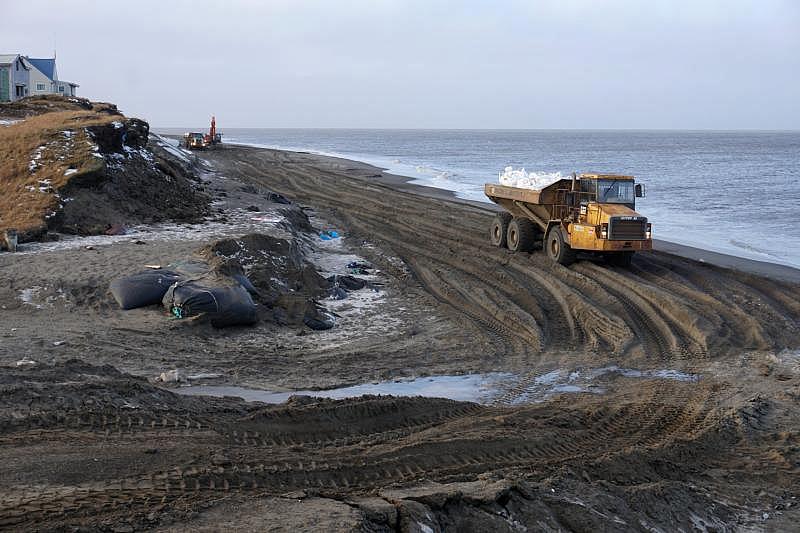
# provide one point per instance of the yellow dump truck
(588, 213)
(195, 140)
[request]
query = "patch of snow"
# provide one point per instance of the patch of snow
(37, 155)
(177, 152)
(117, 125)
(27, 296)
(658, 374)
(548, 379)
(70, 171)
(203, 375)
(239, 222)
(539, 388)
(8, 122)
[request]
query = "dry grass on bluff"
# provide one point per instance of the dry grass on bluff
(41, 154)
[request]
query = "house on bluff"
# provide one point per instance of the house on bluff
(22, 76)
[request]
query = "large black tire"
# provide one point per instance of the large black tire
(620, 259)
(558, 250)
(521, 235)
(497, 232)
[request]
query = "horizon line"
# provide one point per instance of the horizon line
(765, 130)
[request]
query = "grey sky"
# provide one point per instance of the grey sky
(719, 64)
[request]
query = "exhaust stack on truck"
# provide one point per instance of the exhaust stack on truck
(589, 213)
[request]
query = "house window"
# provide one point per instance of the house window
(40, 86)
(61, 89)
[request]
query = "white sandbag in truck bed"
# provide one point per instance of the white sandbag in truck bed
(528, 180)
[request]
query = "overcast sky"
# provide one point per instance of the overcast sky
(706, 64)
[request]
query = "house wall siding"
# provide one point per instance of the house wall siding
(19, 77)
(36, 78)
(5, 83)
(68, 90)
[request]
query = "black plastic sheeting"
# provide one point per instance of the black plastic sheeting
(225, 306)
(338, 293)
(277, 198)
(318, 318)
(246, 283)
(348, 283)
(144, 288)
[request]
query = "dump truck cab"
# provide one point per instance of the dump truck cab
(606, 219)
(591, 213)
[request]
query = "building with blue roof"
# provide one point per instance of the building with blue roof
(22, 76)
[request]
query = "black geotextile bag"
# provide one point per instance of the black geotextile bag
(348, 283)
(144, 288)
(225, 306)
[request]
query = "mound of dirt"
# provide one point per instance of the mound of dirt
(75, 166)
(51, 103)
(283, 280)
(134, 186)
(273, 265)
(39, 394)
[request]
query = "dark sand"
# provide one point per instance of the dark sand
(86, 446)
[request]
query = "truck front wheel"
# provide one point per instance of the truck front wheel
(521, 235)
(497, 233)
(557, 249)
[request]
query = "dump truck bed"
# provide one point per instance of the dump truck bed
(529, 196)
(546, 195)
(540, 206)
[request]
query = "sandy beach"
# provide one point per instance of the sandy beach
(652, 398)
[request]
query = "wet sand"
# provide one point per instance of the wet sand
(696, 426)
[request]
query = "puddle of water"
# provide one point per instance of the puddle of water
(548, 379)
(480, 388)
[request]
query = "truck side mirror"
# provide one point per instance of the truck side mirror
(640, 191)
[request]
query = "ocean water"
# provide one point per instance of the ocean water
(731, 192)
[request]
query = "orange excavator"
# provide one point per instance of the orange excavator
(199, 141)
(213, 137)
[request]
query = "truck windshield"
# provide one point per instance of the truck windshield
(615, 191)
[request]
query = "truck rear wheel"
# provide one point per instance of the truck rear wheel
(558, 250)
(521, 235)
(497, 233)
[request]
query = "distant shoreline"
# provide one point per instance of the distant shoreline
(404, 183)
